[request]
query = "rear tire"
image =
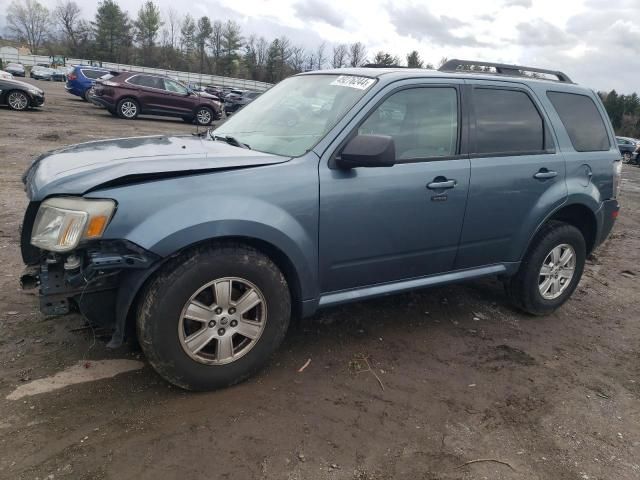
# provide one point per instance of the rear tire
(542, 285)
(128, 109)
(165, 322)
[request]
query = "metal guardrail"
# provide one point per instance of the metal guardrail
(186, 77)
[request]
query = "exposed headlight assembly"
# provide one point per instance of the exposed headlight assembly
(62, 222)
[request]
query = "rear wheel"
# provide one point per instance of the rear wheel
(17, 100)
(213, 316)
(128, 109)
(204, 116)
(550, 271)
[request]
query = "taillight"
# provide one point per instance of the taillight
(617, 175)
(71, 76)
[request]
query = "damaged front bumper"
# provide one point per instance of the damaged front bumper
(100, 280)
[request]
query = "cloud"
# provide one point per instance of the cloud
(419, 23)
(318, 10)
(539, 33)
(519, 3)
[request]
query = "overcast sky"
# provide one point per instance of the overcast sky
(596, 42)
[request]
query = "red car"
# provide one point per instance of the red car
(130, 94)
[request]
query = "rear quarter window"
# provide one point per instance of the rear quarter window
(581, 120)
(93, 74)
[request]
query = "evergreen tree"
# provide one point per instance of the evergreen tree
(146, 27)
(414, 60)
(112, 32)
(203, 32)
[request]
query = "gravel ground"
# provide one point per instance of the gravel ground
(462, 376)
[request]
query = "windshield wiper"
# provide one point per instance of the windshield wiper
(230, 140)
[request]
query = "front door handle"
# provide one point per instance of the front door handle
(543, 174)
(441, 184)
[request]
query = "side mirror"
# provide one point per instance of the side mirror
(368, 151)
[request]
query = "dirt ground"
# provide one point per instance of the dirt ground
(462, 376)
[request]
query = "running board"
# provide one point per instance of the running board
(346, 296)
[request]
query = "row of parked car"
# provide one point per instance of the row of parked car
(630, 149)
(127, 94)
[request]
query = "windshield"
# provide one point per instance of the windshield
(295, 114)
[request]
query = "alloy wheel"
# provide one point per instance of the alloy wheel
(557, 271)
(204, 116)
(129, 109)
(18, 100)
(222, 321)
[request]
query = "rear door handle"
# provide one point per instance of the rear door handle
(439, 185)
(544, 174)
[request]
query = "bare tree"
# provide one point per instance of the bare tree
(28, 21)
(310, 61)
(357, 54)
(297, 59)
(173, 26)
(320, 58)
(340, 56)
(442, 61)
(74, 29)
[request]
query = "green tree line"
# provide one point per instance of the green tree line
(176, 41)
(624, 112)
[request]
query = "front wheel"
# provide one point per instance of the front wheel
(550, 271)
(17, 100)
(204, 116)
(626, 157)
(213, 316)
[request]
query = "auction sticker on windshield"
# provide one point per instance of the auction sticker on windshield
(361, 83)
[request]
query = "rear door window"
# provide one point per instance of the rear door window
(582, 121)
(507, 121)
(147, 81)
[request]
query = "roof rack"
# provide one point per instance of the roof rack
(380, 65)
(456, 65)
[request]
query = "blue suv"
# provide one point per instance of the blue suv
(332, 187)
(82, 78)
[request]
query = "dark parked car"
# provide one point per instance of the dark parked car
(20, 95)
(627, 146)
(130, 94)
(234, 103)
(409, 179)
(15, 69)
(82, 78)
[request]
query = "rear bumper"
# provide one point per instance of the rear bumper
(608, 214)
(103, 102)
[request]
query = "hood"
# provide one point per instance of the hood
(78, 169)
(25, 85)
(209, 96)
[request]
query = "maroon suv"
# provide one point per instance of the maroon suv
(130, 94)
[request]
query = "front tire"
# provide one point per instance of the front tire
(213, 316)
(18, 100)
(550, 271)
(204, 116)
(128, 109)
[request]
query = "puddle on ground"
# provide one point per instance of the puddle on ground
(83, 371)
